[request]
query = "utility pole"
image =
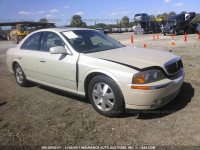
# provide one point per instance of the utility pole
(119, 25)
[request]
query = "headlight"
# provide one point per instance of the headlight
(148, 77)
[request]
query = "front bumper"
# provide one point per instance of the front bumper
(159, 93)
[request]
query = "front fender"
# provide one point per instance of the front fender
(102, 71)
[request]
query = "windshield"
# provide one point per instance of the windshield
(88, 41)
(171, 23)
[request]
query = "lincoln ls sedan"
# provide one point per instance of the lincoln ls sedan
(91, 64)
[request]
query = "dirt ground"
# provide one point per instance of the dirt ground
(41, 116)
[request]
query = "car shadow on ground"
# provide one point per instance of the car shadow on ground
(183, 98)
(31, 84)
(64, 93)
(3, 103)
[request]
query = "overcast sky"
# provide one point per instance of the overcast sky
(60, 11)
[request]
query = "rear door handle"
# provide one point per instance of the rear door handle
(19, 57)
(42, 60)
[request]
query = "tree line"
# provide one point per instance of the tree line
(76, 21)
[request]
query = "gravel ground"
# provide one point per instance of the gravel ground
(41, 116)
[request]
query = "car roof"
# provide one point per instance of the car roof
(58, 30)
(63, 29)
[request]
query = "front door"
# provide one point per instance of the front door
(58, 70)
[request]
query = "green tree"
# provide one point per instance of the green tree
(43, 20)
(131, 24)
(171, 14)
(165, 15)
(109, 26)
(84, 25)
(158, 16)
(183, 12)
(197, 19)
(152, 18)
(125, 21)
(100, 25)
(77, 22)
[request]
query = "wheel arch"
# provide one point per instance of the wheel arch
(119, 97)
(14, 63)
(90, 75)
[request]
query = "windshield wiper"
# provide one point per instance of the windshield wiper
(93, 51)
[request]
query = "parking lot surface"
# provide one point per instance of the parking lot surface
(37, 115)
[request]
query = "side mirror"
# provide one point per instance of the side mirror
(60, 50)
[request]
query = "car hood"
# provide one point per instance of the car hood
(137, 57)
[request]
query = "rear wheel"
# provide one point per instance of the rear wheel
(20, 76)
(105, 96)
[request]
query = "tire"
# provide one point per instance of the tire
(99, 88)
(20, 76)
(164, 34)
(15, 39)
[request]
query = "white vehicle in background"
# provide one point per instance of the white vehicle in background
(123, 29)
(134, 27)
(130, 29)
(116, 30)
(106, 31)
(91, 64)
(100, 30)
(138, 29)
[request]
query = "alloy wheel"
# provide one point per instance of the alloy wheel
(103, 96)
(19, 75)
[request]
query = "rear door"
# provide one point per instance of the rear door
(29, 55)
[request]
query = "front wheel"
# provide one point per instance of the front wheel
(20, 76)
(105, 96)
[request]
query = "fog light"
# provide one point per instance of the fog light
(156, 103)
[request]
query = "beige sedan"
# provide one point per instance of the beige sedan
(91, 64)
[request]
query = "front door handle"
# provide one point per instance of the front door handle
(42, 60)
(19, 57)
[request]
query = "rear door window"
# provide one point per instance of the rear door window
(33, 42)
